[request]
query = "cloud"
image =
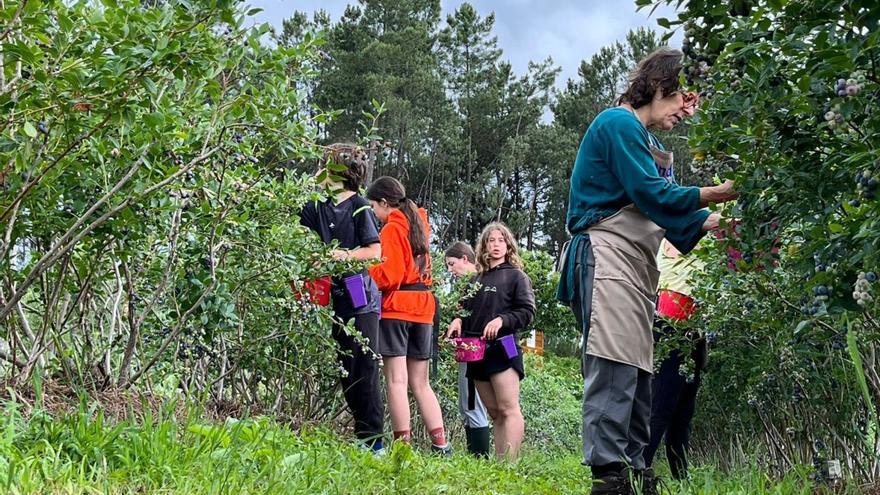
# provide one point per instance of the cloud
(527, 30)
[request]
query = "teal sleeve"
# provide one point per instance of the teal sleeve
(629, 156)
(689, 231)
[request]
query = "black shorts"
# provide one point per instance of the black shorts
(495, 361)
(405, 338)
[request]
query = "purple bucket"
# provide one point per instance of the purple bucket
(354, 285)
(509, 344)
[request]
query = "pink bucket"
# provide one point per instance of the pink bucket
(469, 349)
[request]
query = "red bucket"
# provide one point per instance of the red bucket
(675, 305)
(469, 349)
(318, 291)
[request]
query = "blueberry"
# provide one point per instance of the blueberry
(42, 128)
(871, 184)
(822, 290)
(871, 277)
(855, 203)
(821, 267)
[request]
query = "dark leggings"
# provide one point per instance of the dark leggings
(672, 408)
(361, 386)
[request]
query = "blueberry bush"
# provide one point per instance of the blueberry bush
(789, 111)
(149, 204)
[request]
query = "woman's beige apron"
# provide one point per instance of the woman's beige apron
(625, 279)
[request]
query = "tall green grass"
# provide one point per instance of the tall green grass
(84, 453)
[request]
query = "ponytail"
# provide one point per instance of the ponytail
(392, 192)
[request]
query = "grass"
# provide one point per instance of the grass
(83, 453)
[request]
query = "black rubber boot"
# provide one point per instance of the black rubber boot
(478, 441)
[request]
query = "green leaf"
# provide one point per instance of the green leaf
(150, 86)
(19, 52)
(30, 130)
(336, 167)
(154, 119)
(800, 326)
(853, 348)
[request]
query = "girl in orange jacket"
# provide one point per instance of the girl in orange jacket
(405, 327)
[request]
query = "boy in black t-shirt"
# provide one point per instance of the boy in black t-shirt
(347, 218)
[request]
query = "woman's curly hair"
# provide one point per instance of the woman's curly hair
(659, 70)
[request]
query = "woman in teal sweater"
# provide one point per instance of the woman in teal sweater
(623, 201)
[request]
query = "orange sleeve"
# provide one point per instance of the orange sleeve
(426, 277)
(391, 271)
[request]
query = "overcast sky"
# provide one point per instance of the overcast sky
(567, 30)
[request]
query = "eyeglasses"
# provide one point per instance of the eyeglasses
(689, 98)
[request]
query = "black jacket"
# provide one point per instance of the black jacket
(504, 291)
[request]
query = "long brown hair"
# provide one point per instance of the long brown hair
(512, 256)
(659, 70)
(392, 192)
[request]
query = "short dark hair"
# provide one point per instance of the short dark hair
(353, 157)
(461, 250)
(659, 70)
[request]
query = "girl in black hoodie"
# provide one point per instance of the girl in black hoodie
(503, 305)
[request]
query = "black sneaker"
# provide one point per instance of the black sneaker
(445, 451)
(613, 484)
(648, 482)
